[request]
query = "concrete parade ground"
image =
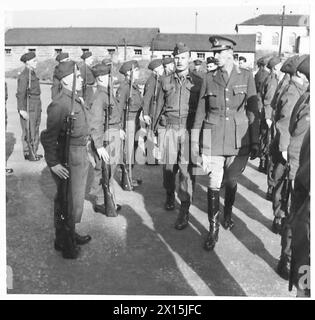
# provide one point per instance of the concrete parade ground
(139, 252)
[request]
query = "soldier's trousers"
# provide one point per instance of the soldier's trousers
(79, 165)
(226, 169)
(113, 150)
(35, 119)
(176, 158)
(130, 140)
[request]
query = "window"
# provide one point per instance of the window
(57, 51)
(258, 38)
(138, 52)
(292, 39)
(201, 55)
(31, 50)
(275, 39)
(8, 51)
(111, 51)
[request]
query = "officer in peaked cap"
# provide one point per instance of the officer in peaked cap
(53, 141)
(177, 103)
(169, 66)
(151, 93)
(57, 86)
(104, 101)
(198, 64)
(228, 115)
(129, 93)
(89, 84)
(29, 105)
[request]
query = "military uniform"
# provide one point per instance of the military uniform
(88, 84)
(103, 103)
(286, 103)
(35, 106)
(53, 140)
(56, 85)
(260, 77)
(228, 114)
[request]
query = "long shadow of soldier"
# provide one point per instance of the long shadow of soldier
(187, 243)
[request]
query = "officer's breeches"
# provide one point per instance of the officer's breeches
(227, 169)
(175, 157)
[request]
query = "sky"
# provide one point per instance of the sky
(169, 16)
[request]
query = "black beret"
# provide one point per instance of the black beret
(211, 60)
(101, 69)
(197, 62)
(154, 64)
(242, 58)
(180, 47)
(62, 55)
(220, 43)
(28, 56)
(273, 62)
(86, 54)
(64, 69)
(167, 61)
(128, 65)
(290, 65)
(304, 65)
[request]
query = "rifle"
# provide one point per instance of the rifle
(28, 137)
(286, 192)
(64, 197)
(84, 83)
(126, 179)
(109, 202)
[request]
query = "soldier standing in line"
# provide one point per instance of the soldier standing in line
(242, 61)
(211, 64)
(53, 140)
(130, 69)
(169, 65)
(88, 78)
(197, 66)
(28, 92)
(7, 170)
(57, 86)
(279, 146)
(228, 113)
(267, 92)
(298, 127)
(260, 77)
(178, 101)
(151, 92)
(104, 101)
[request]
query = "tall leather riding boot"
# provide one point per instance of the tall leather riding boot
(183, 216)
(228, 205)
(213, 216)
(170, 201)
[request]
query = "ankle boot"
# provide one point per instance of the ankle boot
(183, 216)
(213, 216)
(170, 201)
(228, 223)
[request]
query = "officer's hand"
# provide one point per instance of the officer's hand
(24, 114)
(254, 151)
(103, 154)
(206, 163)
(60, 171)
(122, 134)
(269, 122)
(285, 155)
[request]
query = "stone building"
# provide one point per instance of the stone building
(267, 28)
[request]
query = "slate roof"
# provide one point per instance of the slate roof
(200, 42)
(293, 20)
(80, 36)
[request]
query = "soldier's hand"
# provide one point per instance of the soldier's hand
(269, 122)
(147, 119)
(122, 134)
(195, 149)
(103, 154)
(24, 114)
(285, 155)
(60, 171)
(254, 151)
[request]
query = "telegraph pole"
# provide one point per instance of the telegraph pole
(282, 22)
(196, 17)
